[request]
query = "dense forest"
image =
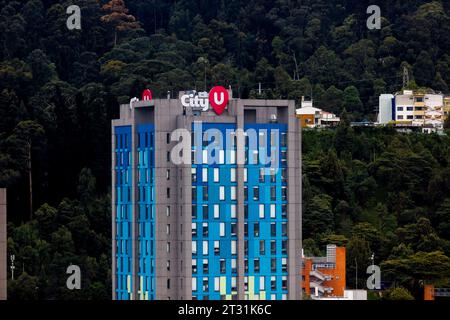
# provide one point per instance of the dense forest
(373, 190)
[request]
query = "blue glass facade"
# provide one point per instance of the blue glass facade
(214, 218)
(214, 222)
(265, 214)
(145, 207)
(123, 212)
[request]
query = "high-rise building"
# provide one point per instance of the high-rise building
(3, 246)
(214, 219)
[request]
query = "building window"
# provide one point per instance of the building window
(216, 211)
(273, 193)
(283, 264)
(273, 229)
(216, 247)
(205, 248)
(256, 193)
(245, 229)
(256, 229)
(233, 247)
(205, 175)
(284, 229)
(205, 266)
(205, 212)
(283, 139)
(194, 193)
(399, 108)
(262, 247)
(205, 229)
(233, 211)
(233, 228)
(273, 265)
(262, 283)
(168, 211)
(194, 247)
(168, 229)
(261, 211)
(273, 283)
(216, 174)
(283, 211)
(284, 284)
(283, 193)
(205, 284)
(256, 265)
(233, 193)
(272, 211)
(194, 229)
(205, 193)
(194, 211)
(245, 174)
(273, 247)
(245, 193)
(194, 174)
(194, 284)
(261, 175)
(194, 267)
(399, 117)
(245, 211)
(221, 193)
(168, 138)
(222, 229)
(168, 193)
(222, 266)
(232, 175)
(216, 283)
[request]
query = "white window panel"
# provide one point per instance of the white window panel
(233, 175)
(222, 229)
(194, 284)
(216, 211)
(194, 247)
(233, 247)
(233, 211)
(272, 211)
(232, 156)
(205, 248)
(262, 283)
(221, 193)
(216, 174)
(205, 174)
(245, 174)
(205, 156)
(216, 283)
(261, 211)
(221, 156)
(233, 193)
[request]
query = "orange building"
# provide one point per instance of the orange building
(325, 276)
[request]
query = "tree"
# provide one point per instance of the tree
(27, 136)
(358, 254)
(398, 293)
(117, 16)
(352, 102)
(318, 217)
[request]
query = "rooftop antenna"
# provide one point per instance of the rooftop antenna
(168, 94)
(405, 77)
(259, 88)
